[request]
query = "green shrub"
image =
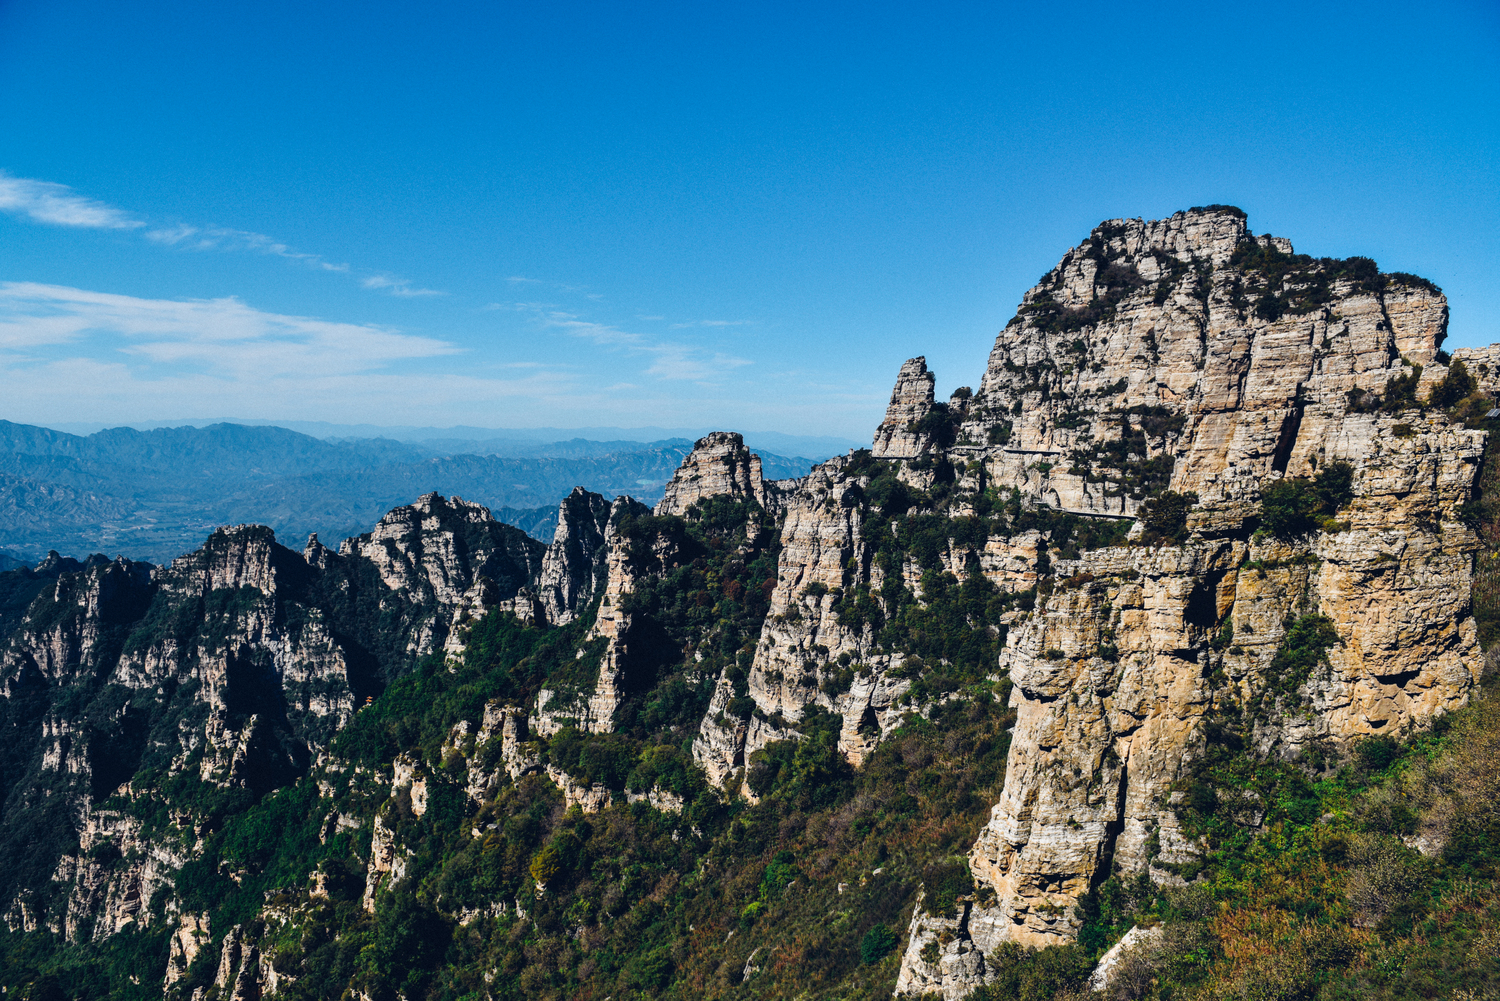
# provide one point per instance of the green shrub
(1295, 506)
(779, 873)
(1456, 385)
(546, 864)
(1401, 391)
(876, 945)
(741, 707)
(1165, 517)
(651, 971)
(1034, 975)
(1305, 646)
(945, 882)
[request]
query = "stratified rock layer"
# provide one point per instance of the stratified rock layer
(719, 465)
(900, 435)
(1157, 356)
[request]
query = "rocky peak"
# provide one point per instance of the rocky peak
(573, 563)
(1188, 356)
(1127, 364)
(719, 464)
(235, 556)
(1209, 233)
(68, 629)
(316, 554)
(54, 564)
(900, 435)
(449, 553)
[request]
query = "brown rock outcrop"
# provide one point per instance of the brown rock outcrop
(1158, 356)
(572, 565)
(450, 555)
(823, 554)
(251, 652)
(900, 435)
(719, 465)
(186, 942)
(594, 711)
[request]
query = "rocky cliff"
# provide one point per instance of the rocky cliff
(237, 664)
(1171, 372)
(1188, 358)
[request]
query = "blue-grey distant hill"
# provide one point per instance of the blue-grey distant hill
(515, 441)
(155, 494)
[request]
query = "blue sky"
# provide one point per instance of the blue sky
(686, 215)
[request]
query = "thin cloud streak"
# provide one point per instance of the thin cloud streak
(69, 354)
(397, 286)
(670, 359)
(222, 336)
(59, 205)
(123, 358)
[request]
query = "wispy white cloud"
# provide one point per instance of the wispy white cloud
(74, 354)
(582, 290)
(398, 286)
(711, 323)
(59, 205)
(668, 359)
(213, 335)
(673, 361)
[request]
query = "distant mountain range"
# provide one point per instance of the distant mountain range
(153, 495)
(510, 441)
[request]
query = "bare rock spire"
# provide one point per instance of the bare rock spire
(719, 464)
(899, 435)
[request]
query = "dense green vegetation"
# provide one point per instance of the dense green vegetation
(1294, 284)
(706, 587)
(950, 631)
(1308, 890)
(635, 900)
(1296, 505)
(1135, 464)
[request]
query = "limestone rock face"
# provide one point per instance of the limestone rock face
(572, 563)
(1186, 367)
(259, 646)
(186, 942)
(1156, 356)
(105, 898)
(823, 553)
(65, 643)
(248, 656)
(1113, 676)
(719, 465)
(898, 436)
(594, 712)
(1483, 364)
(1139, 937)
(451, 555)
